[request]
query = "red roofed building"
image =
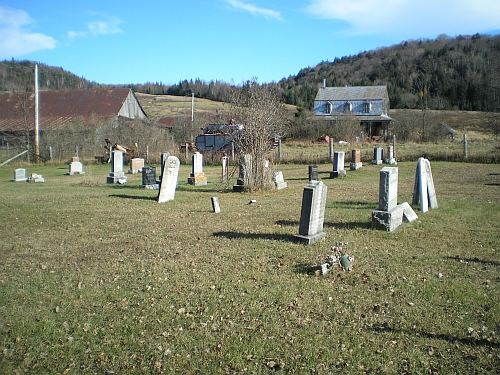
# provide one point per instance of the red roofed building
(59, 107)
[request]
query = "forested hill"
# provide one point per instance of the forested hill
(443, 73)
(459, 73)
(19, 76)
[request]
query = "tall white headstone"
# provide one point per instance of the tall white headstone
(197, 177)
(423, 190)
(169, 179)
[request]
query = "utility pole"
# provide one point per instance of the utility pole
(37, 127)
(192, 116)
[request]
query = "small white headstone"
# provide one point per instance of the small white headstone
(20, 175)
(75, 167)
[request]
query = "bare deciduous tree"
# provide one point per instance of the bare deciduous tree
(261, 110)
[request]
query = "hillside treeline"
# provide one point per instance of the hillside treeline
(443, 73)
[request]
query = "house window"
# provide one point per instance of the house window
(367, 107)
(347, 107)
(328, 108)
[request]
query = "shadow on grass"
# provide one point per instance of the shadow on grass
(340, 225)
(384, 328)
(134, 197)
(255, 236)
(354, 205)
(472, 260)
(307, 269)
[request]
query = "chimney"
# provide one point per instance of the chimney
(324, 83)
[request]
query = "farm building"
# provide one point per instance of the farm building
(68, 114)
(369, 104)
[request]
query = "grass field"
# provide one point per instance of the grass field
(101, 279)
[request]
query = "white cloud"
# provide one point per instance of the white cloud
(96, 28)
(406, 18)
(254, 9)
(105, 27)
(15, 40)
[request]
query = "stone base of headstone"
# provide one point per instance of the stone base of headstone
(150, 187)
(391, 161)
(239, 188)
(116, 178)
(198, 179)
(75, 167)
(393, 219)
(336, 174)
(36, 178)
(355, 166)
(376, 162)
(308, 240)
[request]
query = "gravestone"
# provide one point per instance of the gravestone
(423, 190)
(19, 175)
(338, 165)
(378, 155)
(75, 159)
(225, 166)
(197, 177)
(215, 204)
(149, 178)
(313, 172)
(116, 175)
(36, 178)
(136, 165)
(389, 215)
(245, 173)
(390, 156)
(278, 180)
(75, 167)
(169, 179)
(312, 214)
(355, 160)
(164, 156)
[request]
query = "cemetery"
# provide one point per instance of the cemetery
(319, 274)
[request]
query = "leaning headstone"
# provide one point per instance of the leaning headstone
(136, 165)
(390, 156)
(313, 172)
(75, 167)
(149, 178)
(312, 214)
(197, 177)
(116, 175)
(19, 175)
(389, 215)
(245, 173)
(356, 160)
(423, 190)
(378, 155)
(215, 205)
(169, 179)
(278, 180)
(338, 165)
(36, 178)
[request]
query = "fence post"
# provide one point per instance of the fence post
(465, 146)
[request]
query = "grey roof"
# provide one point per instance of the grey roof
(352, 93)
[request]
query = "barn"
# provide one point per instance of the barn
(65, 111)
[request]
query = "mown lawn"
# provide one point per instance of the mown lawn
(101, 279)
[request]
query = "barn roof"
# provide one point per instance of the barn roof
(352, 93)
(59, 107)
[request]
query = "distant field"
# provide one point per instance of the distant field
(101, 279)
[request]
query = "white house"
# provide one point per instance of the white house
(370, 104)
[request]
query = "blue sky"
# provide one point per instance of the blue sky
(121, 42)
